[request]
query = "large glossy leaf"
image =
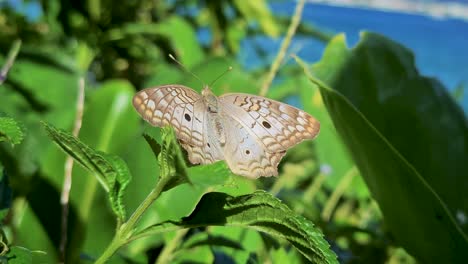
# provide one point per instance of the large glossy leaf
(260, 211)
(334, 159)
(408, 138)
(183, 39)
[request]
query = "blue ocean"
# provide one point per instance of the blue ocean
(440, 45)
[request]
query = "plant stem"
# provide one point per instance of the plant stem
(116, 243)
(124, 233)
(15, 48)
(296, 19)
(314, 188)
(166, 254)
(67, 181)
(338, 192)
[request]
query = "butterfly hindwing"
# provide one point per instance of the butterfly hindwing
(245, 155)
(277, 125)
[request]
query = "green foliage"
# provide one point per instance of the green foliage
(110, 170)
(260, 211)
(10, 130)
(171, 162)
(399, 143)
(406, 137)
(21, 255)
(5, 196)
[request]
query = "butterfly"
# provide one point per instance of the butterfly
(251, 133)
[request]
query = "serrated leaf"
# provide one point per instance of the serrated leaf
(110, 170)
(171, 160)
(260, 211)
(118, 183)
(154, 145)
(10, 130)
(408, 139)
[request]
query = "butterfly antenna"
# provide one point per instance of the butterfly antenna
(221, 75)
(185, 69)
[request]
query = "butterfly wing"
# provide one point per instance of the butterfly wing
(276, 125)
(184, 110)
(244, 154)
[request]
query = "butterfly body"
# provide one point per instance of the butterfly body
(251, 133)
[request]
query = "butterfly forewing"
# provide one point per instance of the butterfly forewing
(172, 105)
(184, 110)
(277, 125)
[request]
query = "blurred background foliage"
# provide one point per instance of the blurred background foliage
(121, 47)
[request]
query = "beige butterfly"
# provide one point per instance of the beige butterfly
(251, 133)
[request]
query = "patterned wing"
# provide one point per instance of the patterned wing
(276, 125)
(209, 149)
(181, 108)
(245, 155)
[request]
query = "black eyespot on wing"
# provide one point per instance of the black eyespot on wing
(187, 117)
(208, 145)
(266, 124)
(247, 152)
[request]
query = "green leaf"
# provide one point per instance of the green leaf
(18, 255)
(171, 160)
(184, 40)
(10, 130)
(110, 170)
(204, 239)
(210, 175)
(408, 138)
(258, 11)
(118, 182)
(21, 255)
(260, 211)
(334, 158)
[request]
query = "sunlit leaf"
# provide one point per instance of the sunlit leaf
(396, 125)
(259, 11)
(259, 211)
